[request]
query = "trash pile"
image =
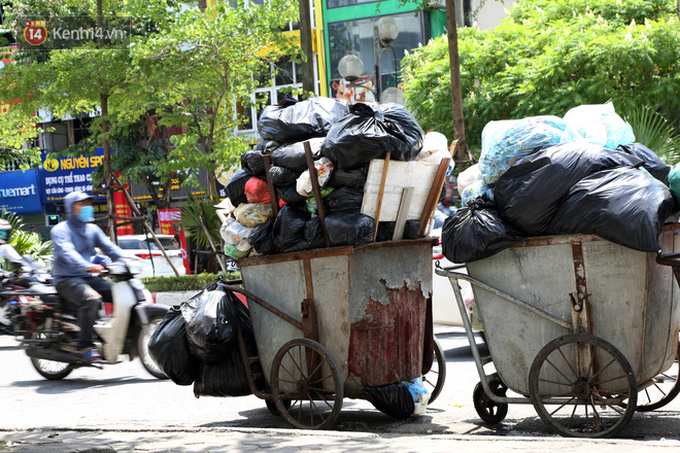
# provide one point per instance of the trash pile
(547, 175)
(343, 139)
(196, 343)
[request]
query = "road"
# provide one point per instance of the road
(124, 397)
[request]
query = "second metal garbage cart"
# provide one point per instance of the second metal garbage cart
(575, 325)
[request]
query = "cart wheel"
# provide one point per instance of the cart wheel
(306, 384)
(271, 405)
(435, 378)
(589, 403)
(490, 411)
(665, 388)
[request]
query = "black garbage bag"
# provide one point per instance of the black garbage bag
(253, 161)
(282, 176)
(652, 163)
(227, 376)
(262, 238)
(343, 199)
(236, 187)
(289, 228)
(290, 195)
(293, 121)
(342, 228)
(529, 192)
(210, 323)
(354, 179)
(292, 155)
(476, 231)
(369, 132)
(394, 400)
(622, 205)
(169, 347)
(386, 230)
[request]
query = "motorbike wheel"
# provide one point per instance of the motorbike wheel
(50, 369)
(143, 338)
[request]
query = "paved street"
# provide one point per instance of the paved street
(122, 408)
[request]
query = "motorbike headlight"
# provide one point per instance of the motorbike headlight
(135, 267)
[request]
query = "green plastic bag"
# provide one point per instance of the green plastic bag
(674, 182)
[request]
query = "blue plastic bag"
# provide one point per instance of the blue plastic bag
(598, 124)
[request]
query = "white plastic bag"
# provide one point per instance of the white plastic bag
(233, 232)
(467, 178)
(324, 167)
(598, 124)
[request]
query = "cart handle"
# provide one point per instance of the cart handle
(669, 259)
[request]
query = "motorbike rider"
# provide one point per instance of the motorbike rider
(74, 275)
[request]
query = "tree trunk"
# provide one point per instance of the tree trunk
(461, 152)
(108, 179)
(306, 44)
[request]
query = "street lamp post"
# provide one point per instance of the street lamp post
(351, 67)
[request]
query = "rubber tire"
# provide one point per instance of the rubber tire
(488, 410)
(52, 376)
(144, 334)
(668, 397)
(440, 373)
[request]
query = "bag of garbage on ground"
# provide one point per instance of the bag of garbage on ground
(169, 348)
(598, 124)
(626, 206)
(529, 192)
(507, 141)
(399, 400)
(293, 121)
(476, 231)
(369, 132)
(209, 323)
(227, 375)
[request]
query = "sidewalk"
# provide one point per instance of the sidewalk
(300, 441)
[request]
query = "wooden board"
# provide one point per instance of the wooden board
(400, 175)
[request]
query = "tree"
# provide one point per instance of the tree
(206, 63)
(548, 56)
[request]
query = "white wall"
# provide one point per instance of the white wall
(492, 12)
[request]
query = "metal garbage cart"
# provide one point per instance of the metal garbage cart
(330, 322)
(576, 325)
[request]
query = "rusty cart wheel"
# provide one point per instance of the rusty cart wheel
(271, 405)
(307, 387)
(435, 378)
(579, 385)
(664, 389)
(487, 409)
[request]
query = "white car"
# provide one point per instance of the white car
(137, 246)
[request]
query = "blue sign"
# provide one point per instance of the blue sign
(19, 192)
(63, 175)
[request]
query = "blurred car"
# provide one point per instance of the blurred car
(444, 306)
(137, 246)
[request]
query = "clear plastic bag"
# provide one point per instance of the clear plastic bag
(253, 214)
(233, 232)
(324, 167)
(505, 142)
(598, 124)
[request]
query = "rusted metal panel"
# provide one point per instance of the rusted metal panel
(388, 347)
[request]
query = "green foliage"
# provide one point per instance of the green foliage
(548, 56)
(655, 132)
(199, 211)
(25, 242)
(195, 282)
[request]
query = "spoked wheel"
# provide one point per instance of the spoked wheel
(578, 384)
(306, 384)
(271, 405)
(664, 389)
(487, 409)
(435, 378)
(143, 338)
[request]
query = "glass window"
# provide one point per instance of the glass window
(284, 72)
(341, 3)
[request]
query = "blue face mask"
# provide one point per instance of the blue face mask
(86, 214)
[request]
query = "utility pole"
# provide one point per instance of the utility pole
(461, 153)
(306, 44)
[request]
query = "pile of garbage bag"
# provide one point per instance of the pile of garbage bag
(343, 140)
(583, 174)
(197, 343)
(399, 400)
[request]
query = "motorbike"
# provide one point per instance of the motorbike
(23, 275)
(47, 328)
